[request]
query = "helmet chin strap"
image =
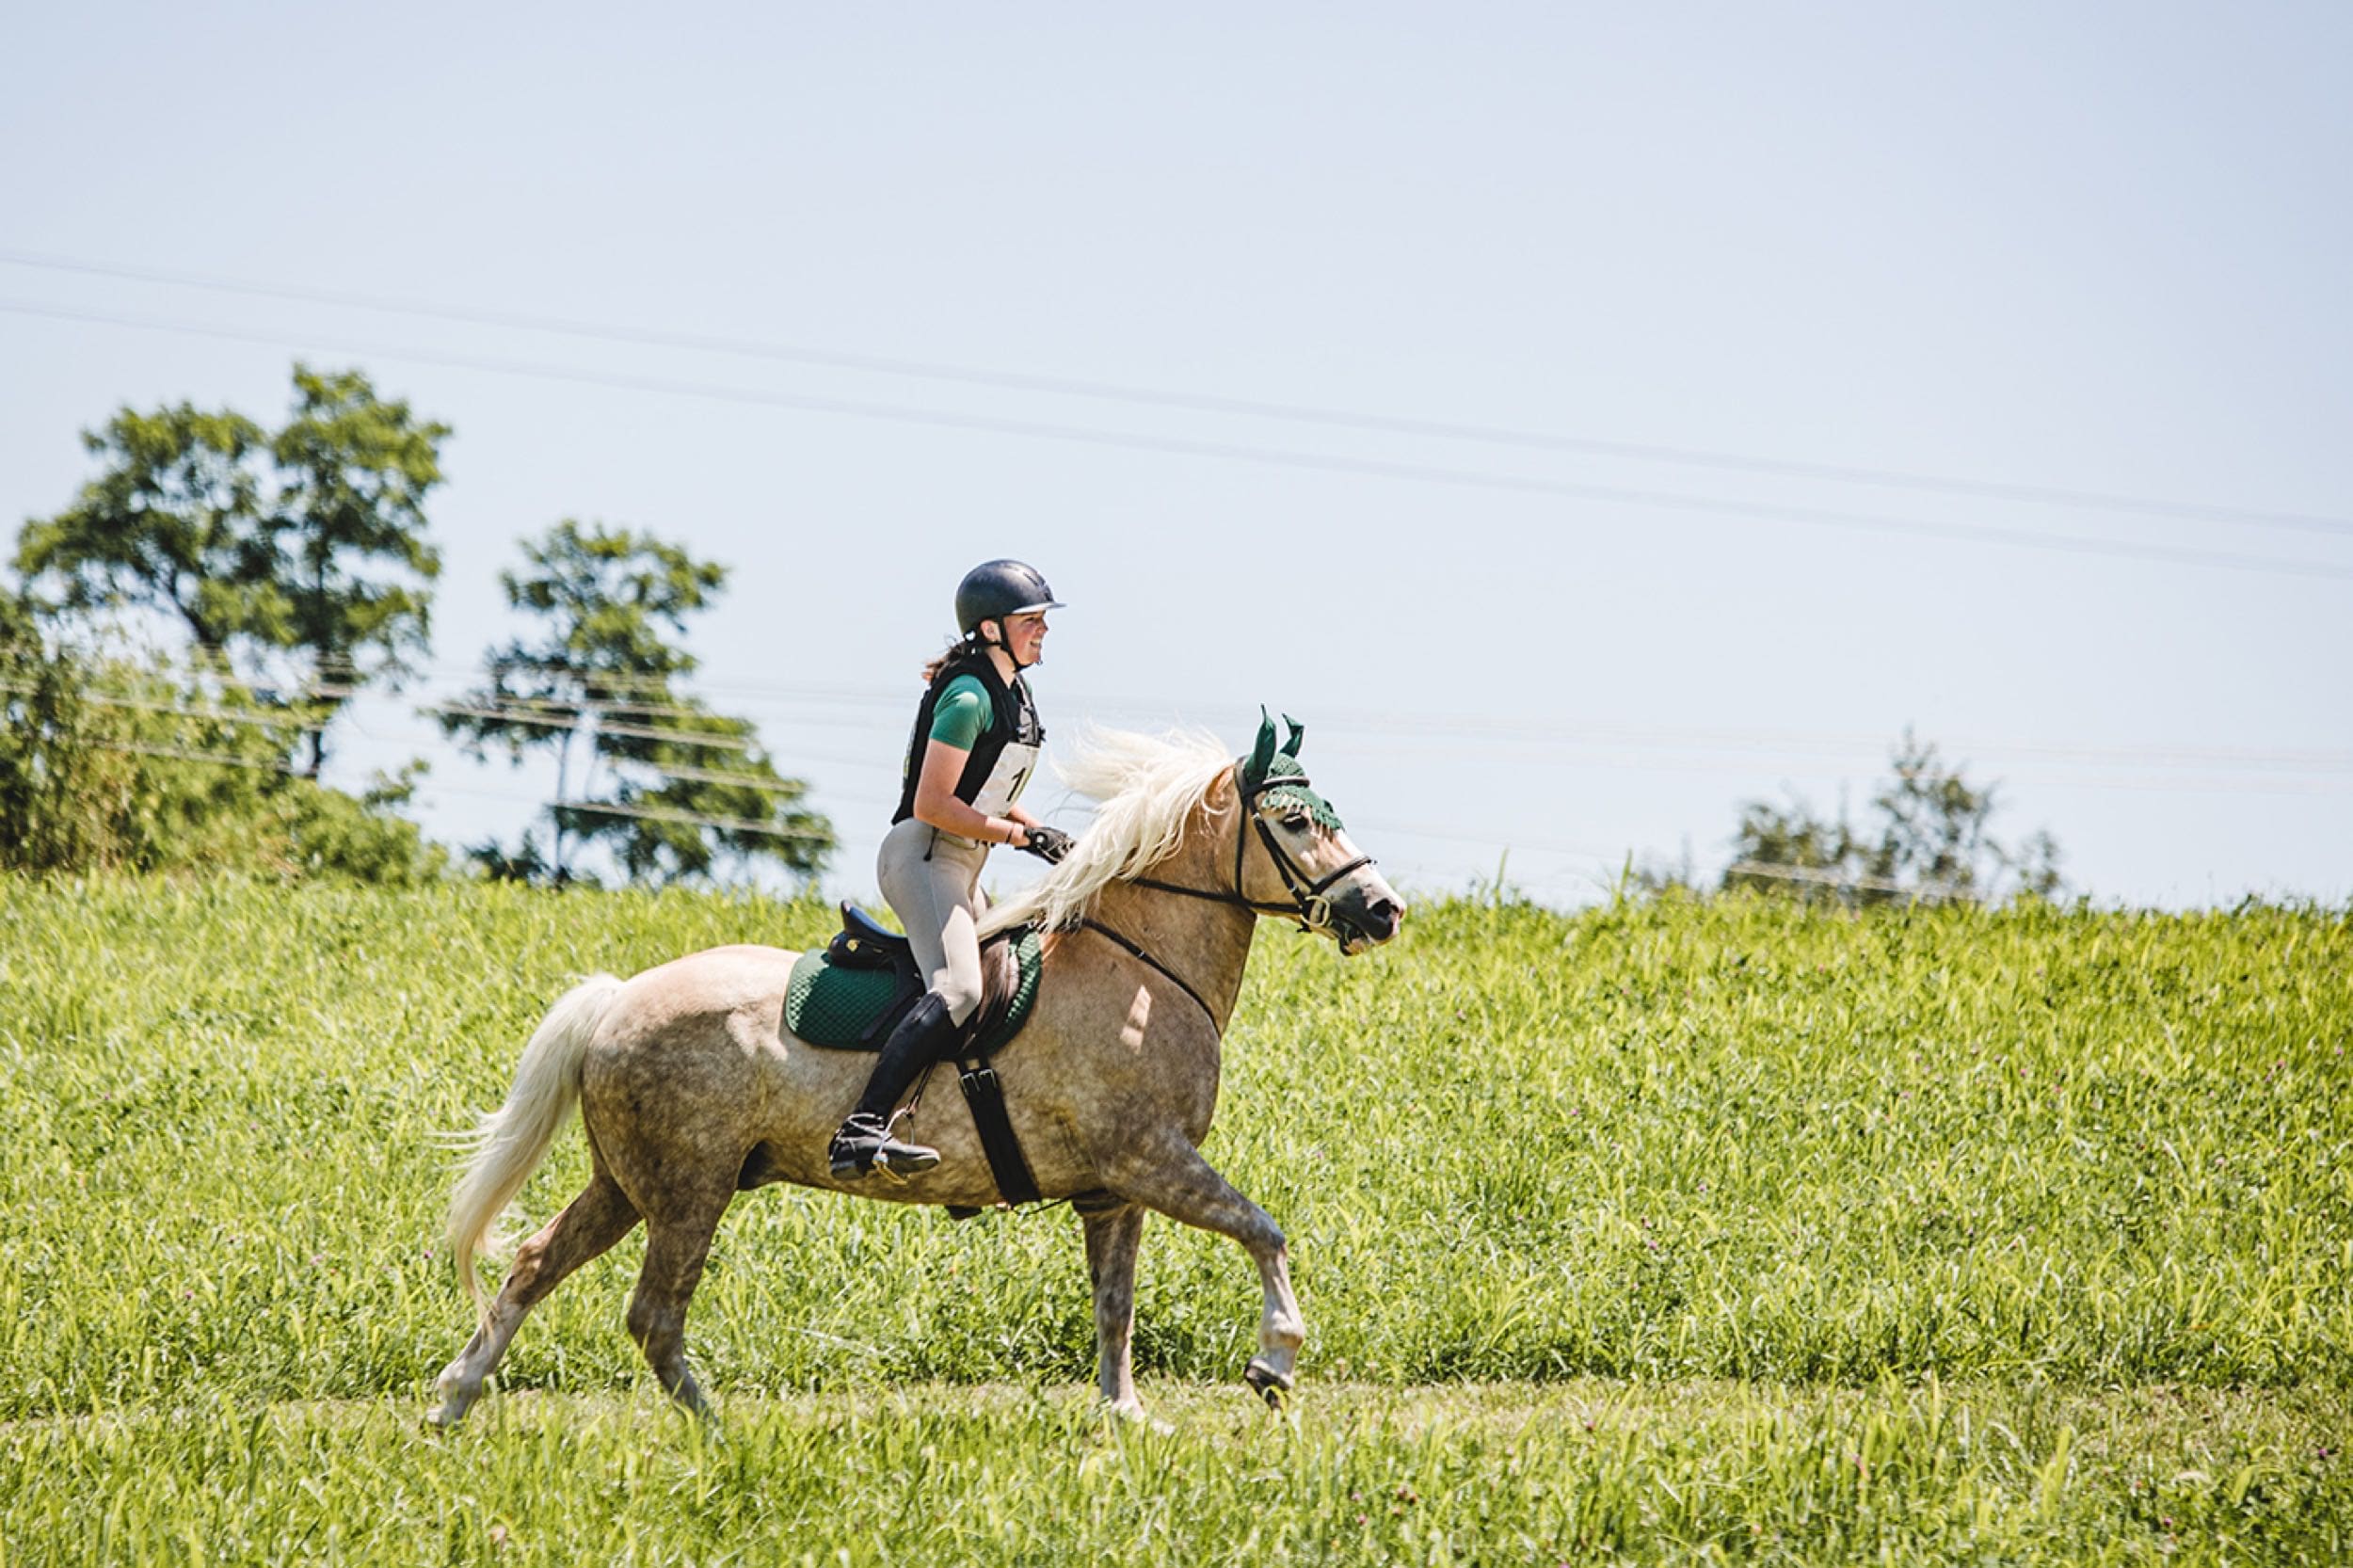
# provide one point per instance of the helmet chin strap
(1004, 641)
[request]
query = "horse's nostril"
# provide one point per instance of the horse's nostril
(1387, 914)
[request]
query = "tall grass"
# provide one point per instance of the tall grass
(1704, 1152)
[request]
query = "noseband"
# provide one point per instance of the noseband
(1309, 906)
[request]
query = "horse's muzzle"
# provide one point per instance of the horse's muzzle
(1361, 923)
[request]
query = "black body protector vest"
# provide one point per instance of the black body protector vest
(1002, 757)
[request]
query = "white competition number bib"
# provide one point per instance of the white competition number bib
(1006, 780)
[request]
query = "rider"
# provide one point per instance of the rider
(974, 746)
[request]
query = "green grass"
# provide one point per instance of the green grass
(2046, 1214)
(1577, 1471)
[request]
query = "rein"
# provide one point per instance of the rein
(1309, 906)
(1133, 950)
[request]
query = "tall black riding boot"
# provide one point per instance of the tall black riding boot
(864, 1143)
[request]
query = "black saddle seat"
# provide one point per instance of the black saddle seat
(865, 942)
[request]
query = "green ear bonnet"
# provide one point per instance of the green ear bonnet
(1265, 765)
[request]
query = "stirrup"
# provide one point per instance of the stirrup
(864, 1144)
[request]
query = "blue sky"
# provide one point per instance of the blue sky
(2096, 250)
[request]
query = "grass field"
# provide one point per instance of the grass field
(1668, 1232)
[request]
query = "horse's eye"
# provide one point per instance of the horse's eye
(1295, 821)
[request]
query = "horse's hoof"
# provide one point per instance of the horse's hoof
(1132, 1416)
(457, 1398)
(1270, 1384)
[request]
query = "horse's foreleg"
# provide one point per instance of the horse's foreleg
(1170, 1175)
(676, 1248)
(588, 1224)
(1112, 1239)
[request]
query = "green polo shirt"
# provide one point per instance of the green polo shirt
(962, 713)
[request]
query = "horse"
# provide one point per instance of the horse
(691, 1090)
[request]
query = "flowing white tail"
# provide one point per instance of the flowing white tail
(508, 1144)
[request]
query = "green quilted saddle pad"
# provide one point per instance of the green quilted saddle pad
(835, 1007)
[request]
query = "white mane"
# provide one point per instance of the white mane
(1146, 786)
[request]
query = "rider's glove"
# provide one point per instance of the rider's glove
(1048, 844)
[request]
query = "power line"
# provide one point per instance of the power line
(1751, 753)
(1349, 726)
(701, 739)
(180, 754)
(1346, 726)
(732, 780)
(650, 813)
(223, 715)
(602, 809)
(1198, 403)
(751, 825)
(1842, 880)
(1269, 456)
(1734, 749)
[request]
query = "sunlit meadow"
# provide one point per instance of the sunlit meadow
(1660, 1232)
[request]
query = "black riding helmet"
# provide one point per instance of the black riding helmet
(995, 589)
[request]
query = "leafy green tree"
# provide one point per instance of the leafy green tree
(1932, 826)
(672, 787)
(111, 764)
(350, 558)
(173, 524)
(309, 542)
(1790, 850)
(1930, 842)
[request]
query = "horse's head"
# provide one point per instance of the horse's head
(1298, 859)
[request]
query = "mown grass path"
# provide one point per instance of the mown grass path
(2044, 1215)
(1584, 1471)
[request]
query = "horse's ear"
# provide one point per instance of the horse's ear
(1262, 754)
(1299, 733)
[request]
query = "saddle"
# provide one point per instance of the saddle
(850, 993)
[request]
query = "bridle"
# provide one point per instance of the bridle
(1309, 906)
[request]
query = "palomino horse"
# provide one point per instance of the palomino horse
(690, 1091)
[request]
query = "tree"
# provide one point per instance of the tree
(1932, 843)
(173, 524)
(1792, 852)
(323, 557)
(671, 787)
(348, 532)
(107, 762)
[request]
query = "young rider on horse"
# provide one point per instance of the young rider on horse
(974, 746)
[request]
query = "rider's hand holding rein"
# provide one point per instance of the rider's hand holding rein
(936, 806)
(1048, 844)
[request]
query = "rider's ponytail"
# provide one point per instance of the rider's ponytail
(971, 646)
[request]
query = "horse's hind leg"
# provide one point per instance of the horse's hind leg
(1170, 1175)
(588, 1224)
(1112, 1239)
(677, 1245)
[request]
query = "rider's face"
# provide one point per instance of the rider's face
(1025, 637)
